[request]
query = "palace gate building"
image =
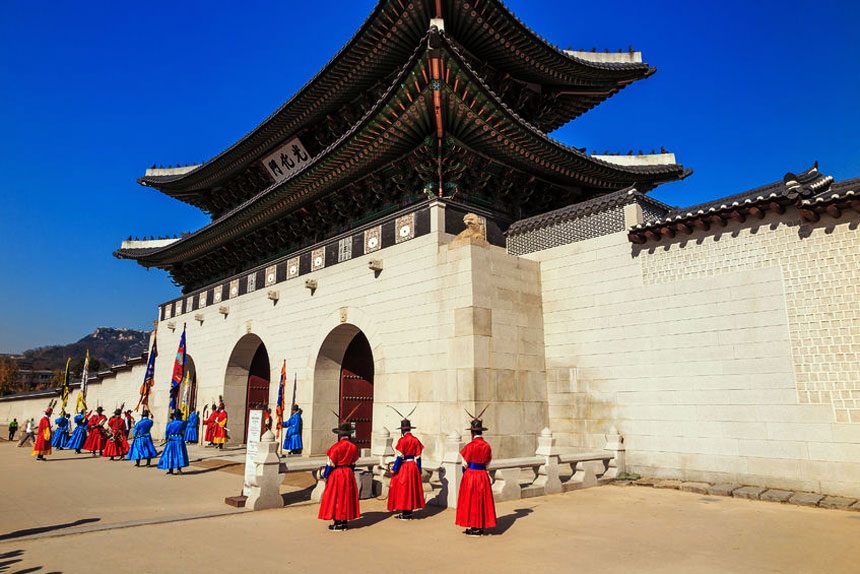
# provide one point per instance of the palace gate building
(403, 231)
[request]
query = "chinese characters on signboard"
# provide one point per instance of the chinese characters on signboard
(286, 160)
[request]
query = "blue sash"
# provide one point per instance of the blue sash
(476, 466)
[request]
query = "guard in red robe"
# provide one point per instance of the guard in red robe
(219, 436)
(475, 507)
(42, 446)
(210, 426)
(96, 436)
(406, 493)
(340, 497)
(116, 445)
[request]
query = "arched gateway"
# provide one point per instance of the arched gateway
(343, 381)
(246, 383)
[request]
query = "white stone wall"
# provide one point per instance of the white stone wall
(111, 393)
(699, 351)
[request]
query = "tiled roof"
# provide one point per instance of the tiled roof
(621, 197)
(810, 191)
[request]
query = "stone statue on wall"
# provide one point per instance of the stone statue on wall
(474, 234)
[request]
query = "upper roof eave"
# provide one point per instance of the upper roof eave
(185, 186)
(648, 175)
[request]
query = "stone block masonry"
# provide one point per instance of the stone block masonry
(727, 358)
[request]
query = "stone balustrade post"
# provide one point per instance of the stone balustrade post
(548, 472)
(506, 484)
(265, 492)
(317, 492)
(452, 473)
(615, 444)
(382, 446)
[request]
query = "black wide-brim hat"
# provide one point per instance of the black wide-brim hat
(345, 429)
(405, 424)
(477, 425)
(99, 409)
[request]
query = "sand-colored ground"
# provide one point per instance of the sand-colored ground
(606, 529)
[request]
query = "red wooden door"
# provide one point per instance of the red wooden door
(258, 397)
(356, 388)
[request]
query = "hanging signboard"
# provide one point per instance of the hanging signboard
(255, 423)
(286, 160)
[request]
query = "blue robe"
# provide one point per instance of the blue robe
(191, 427)
(293, 435)
(142, 446)
(61, 435)
(79, 436)
(174, 455)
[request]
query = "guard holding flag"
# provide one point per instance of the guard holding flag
(293, 431)
(61, 436)
(79, 436)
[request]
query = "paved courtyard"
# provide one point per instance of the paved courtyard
(606, 529)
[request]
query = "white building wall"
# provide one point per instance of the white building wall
(688, 350)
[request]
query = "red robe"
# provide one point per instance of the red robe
(406, 491)
(475, 507)
(340, 497)
(219, 436)
(210, 426)
(117, 444)
(42, 446)
(96, 437)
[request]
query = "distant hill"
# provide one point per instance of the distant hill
(107, 346)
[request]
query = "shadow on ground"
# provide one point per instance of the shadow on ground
(8, 559)
(504, 523)
(41, 529)
(212, 468)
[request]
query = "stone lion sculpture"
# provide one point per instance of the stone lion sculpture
(474, 228)
(474, 233)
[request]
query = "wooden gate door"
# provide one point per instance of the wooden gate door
(356, 388)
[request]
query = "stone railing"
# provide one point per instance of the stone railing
(550, 471)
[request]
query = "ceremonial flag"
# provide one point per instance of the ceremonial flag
(82, 394)
(149, 377)
(178, 371)
(279, 410)
(65, 390)
(186, 396)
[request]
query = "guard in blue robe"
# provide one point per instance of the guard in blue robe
(141, 445)
(191, 427)
(174, 455)
(293, 431)
(61, 435)
(79, 435)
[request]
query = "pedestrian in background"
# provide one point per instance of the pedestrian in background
(13, 428)
(29, 434)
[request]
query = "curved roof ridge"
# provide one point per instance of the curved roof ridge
(633, 170)
(561, 53)
(323, 154)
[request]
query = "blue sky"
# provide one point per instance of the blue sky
(91, 93)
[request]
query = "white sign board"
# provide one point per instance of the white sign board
(255, 424)
(286, 160)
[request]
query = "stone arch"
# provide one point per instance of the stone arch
(347, 331)
(247, 375)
